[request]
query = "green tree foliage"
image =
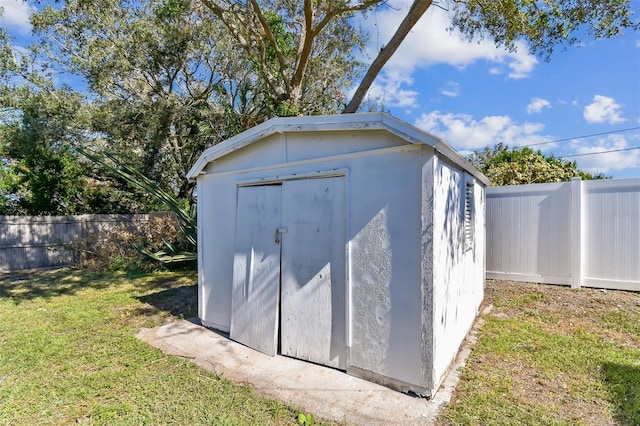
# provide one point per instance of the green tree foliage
(543, 25)
(522, 165)
(45, 177)
(163, 80)
(6, 57)
(168, 79)
(301, 51)
(9, 187)
(161, 88)
(40, 172)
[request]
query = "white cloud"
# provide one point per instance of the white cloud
(464, 132)
(521, 63)
(387, 90)
(603, 109)
(16, 15)
(430, 43)
(537, 104)
(451, 89)
(610, 161)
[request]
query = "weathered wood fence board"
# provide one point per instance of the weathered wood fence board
(574, 233)
(28, 242)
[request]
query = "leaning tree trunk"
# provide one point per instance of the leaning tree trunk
(418, 8)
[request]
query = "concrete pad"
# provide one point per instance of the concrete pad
(328, 394)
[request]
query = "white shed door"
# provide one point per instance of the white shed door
(299, 284)
(313, 271)
(256, 269)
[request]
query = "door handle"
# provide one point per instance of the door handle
(279, 231)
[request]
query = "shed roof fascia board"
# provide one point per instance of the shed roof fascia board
(459, 160)
(415, 135)
(365, 121)
(370, 121)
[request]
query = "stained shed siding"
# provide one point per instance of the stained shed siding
(458, 273)
(385, 258)
(312, 145)
(384, 200)
(217, 197)
(268, 152)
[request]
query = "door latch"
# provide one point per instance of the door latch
(279, 231)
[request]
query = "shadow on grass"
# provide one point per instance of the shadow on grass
(178, 301)
(624, 384)
(22, 286)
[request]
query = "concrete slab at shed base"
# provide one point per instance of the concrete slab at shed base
(326, 393)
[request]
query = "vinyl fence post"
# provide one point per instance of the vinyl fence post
(576, 232)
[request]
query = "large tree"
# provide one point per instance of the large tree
(160, 88)
(288, 40)
(505, 165)
(262, 28)
(167, 79)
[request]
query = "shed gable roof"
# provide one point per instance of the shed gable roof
(342, 122)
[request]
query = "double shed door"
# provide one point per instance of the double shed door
(289, 270)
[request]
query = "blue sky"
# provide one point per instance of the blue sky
(475, 94)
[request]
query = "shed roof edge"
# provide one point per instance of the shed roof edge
(362, 121)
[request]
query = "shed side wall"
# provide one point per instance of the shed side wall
(458, 273)
(426, 235)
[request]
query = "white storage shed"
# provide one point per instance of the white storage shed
(353, 241)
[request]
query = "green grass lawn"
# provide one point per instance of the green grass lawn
(554, 356)
(68, 355)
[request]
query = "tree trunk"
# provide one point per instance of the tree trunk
(418, 8)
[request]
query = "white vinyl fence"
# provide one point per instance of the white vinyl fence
(578, 233)
(29, 242)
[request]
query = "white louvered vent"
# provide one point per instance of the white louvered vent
(468, 215)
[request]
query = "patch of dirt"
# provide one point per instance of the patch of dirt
(567, 310)
(556, 298)
(557, 393)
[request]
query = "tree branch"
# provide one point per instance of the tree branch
(339, 11)
(279, 89)
(233, 29)
(418, 8)
(304, 48)
(274, 44)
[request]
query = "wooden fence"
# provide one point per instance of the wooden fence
(574, 233)
(28, 242)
